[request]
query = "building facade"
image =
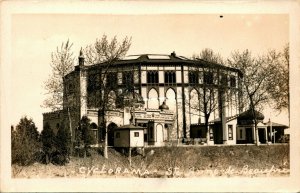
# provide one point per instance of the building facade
(175, 94)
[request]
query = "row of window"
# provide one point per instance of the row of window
(170, 77)
(153, 78)
(111, 80)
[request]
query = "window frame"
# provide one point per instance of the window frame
(232, 80)
(193, 77)
(208, 77)
(230, 132)
(170, 77)
(112, 79)
(211, 134)
(136, 134)
(128, 78)
(152, 77)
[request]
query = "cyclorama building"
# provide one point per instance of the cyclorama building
(171, 89)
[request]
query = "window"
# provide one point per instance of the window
(232, 81)
(152, 77)
(127, 78)
(112, 79)
(211, 134)
(208, 78)
(223, 80)
(193, 77)
(118, 135)
(151, 132)
(170, 77)
(241, 133)
(136, 134)
(95, 134)
(93, 82)
(230, 132)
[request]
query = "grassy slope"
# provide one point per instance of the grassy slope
(199, 158)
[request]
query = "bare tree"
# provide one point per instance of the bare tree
(258, 80)
(209, 55)
(279, 87)
(210, 99)
(62, 62)
(106, 52)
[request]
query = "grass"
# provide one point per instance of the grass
(188, 161)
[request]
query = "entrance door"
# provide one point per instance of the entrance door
(261, 135)
(218, 134)
(110, 134)
(249, 138)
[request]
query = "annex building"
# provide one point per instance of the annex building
(171, 96)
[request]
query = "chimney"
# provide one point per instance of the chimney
(81, 58)
(173, 54)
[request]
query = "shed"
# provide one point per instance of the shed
(129, 136)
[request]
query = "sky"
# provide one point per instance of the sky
(35, 36)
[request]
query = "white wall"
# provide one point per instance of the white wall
(137, 141)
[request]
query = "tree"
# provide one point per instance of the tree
(105, 52)
(210, 98)
(62, 62)
(48, 142)
(258, 80)
(85, 135)
(279, 87)
(63, 145)
(209, 55)
(25, 142)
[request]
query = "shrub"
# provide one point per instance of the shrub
(62, 146)
(48, 140)
(25, 145)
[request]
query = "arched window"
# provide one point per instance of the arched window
(94, 129)
(152, 76)
(170, 77)
(171, 99)
(159, 133)
(194, 106)
(153, 99)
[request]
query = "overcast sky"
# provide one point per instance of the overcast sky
(35, 36)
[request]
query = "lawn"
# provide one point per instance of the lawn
(164, 162)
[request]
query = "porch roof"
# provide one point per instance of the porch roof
(277, 125)
(130, 127)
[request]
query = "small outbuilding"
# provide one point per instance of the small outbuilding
(129, 136)
(276, 130)
(246, 127)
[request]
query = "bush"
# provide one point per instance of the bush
(62, 146)
(48, 140)
(59, 158)
(25, 146)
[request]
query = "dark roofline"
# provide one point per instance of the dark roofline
(144, 59)
(275, 125)
(129, 127)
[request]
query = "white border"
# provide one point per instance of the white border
(8, 8)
